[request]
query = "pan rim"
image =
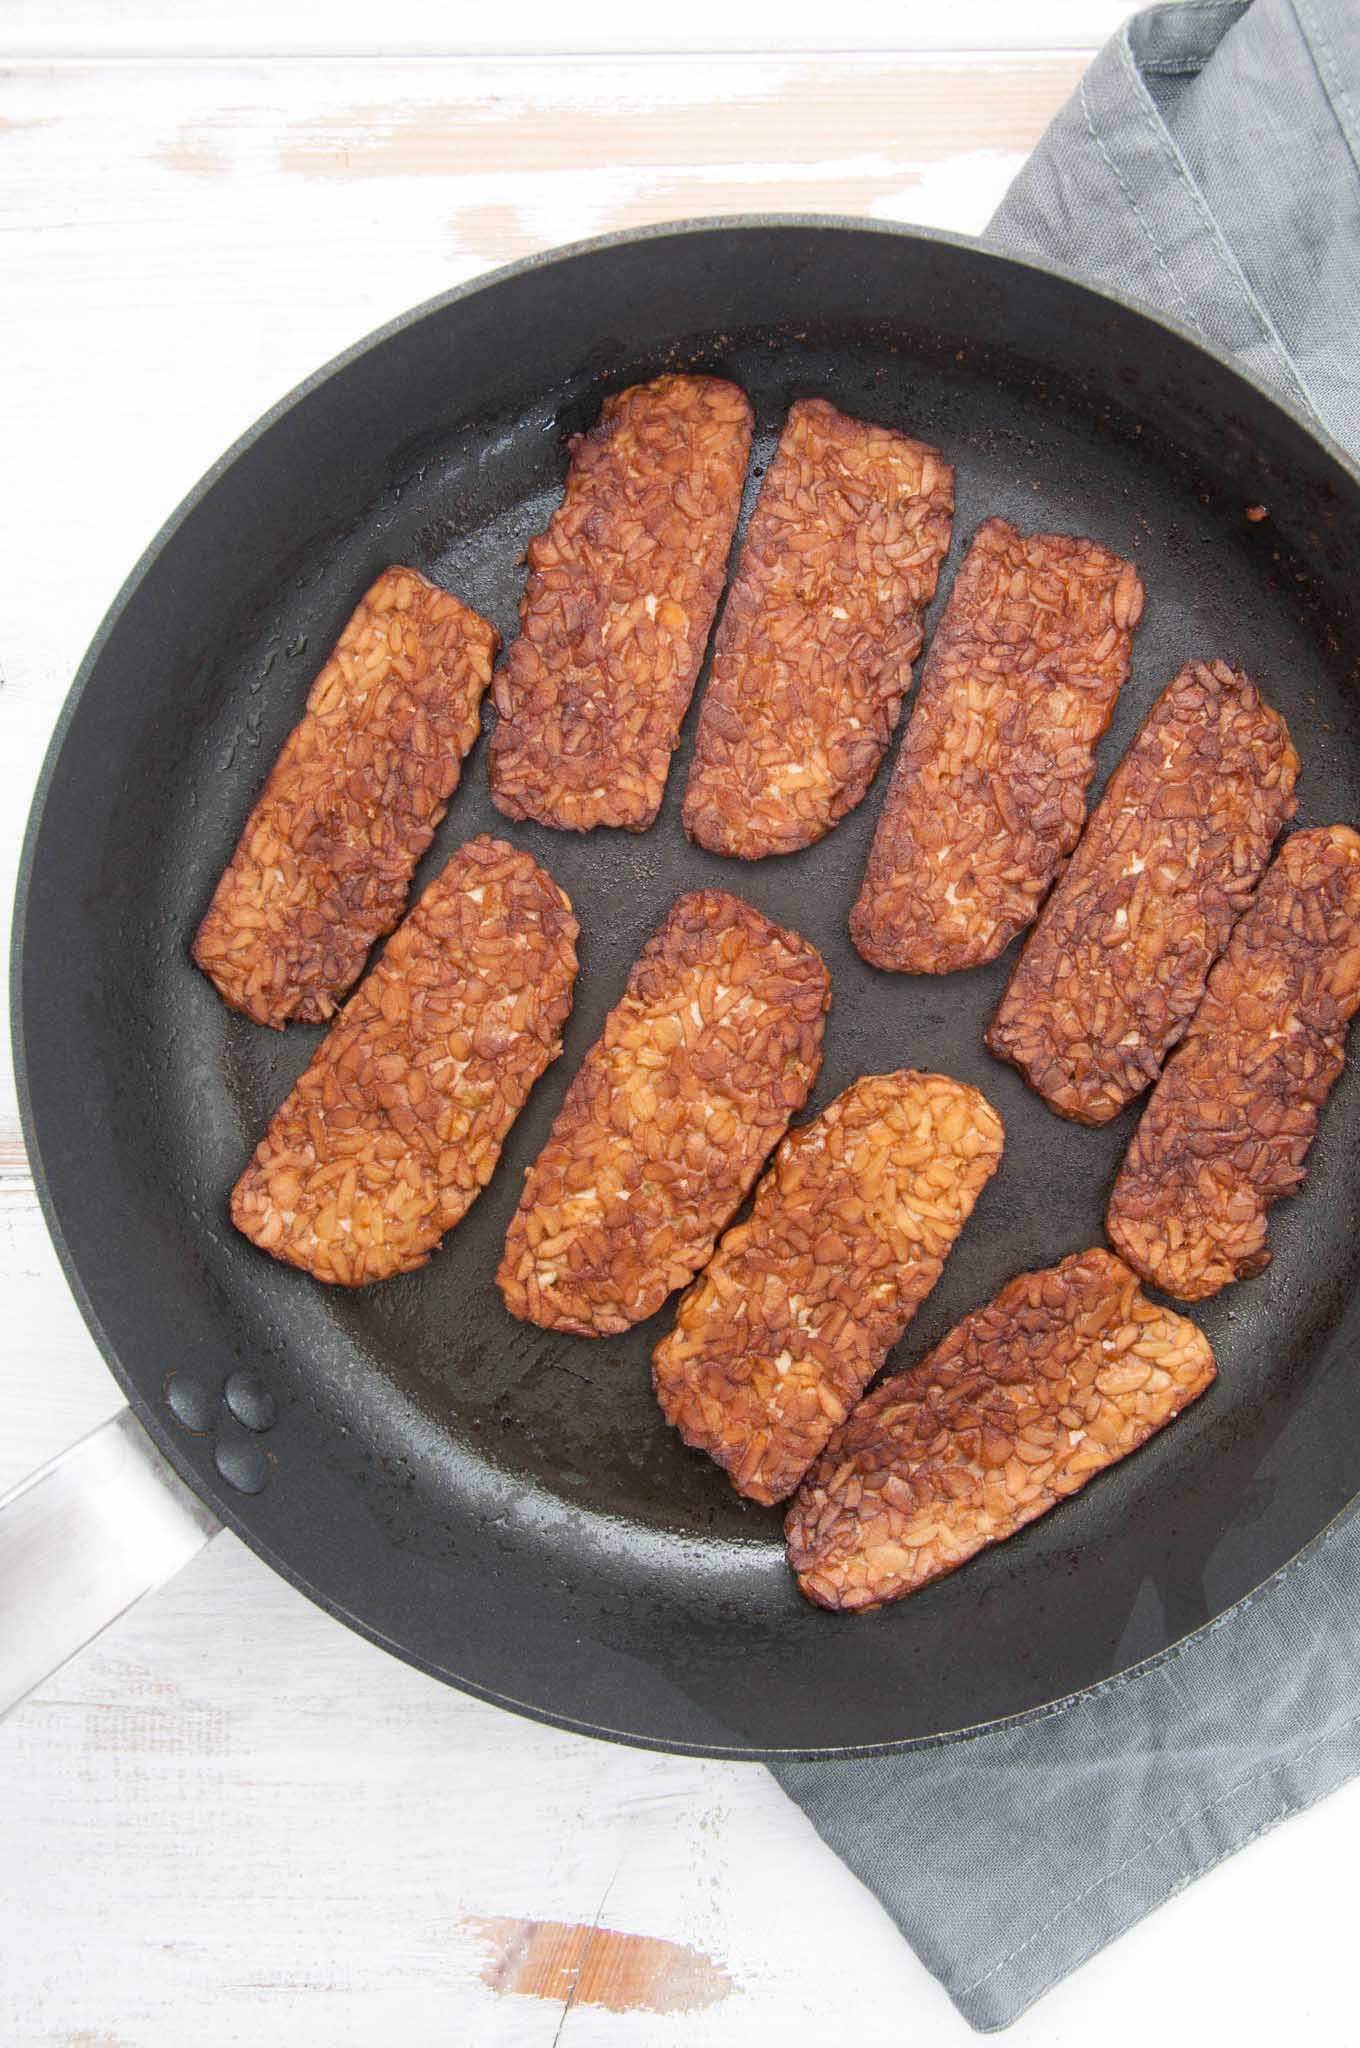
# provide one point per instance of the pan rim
(217, 1495)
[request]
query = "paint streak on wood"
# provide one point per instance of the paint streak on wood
(13, 1156)
(583, 1965)
(914, 113)
(194, 157)
(201, 149)
(497, 232)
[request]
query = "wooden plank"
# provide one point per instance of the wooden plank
(766, 119)
(235, 1823)
(204, 28)
(234, 1856)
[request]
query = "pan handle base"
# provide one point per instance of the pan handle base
(81, 1541)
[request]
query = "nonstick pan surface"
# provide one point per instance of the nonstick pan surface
(504, 1506)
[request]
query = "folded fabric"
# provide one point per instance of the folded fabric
(1209, 163)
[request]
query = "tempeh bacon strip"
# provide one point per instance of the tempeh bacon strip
(617, 609)
(819, 632)
(1227, 1129)
(1065, 1373)
(325, 862)
(396, 1126)
(1117, 963)
(800, 1305)
(714, 1044)
(988, 796)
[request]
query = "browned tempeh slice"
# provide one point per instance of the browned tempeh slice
(616, 613)
(820, 629)
(715, 1043)
(325, 862)
(396, 1126)
(1066, 1372)
(1227, 1129)
(852, 1224)
(989, 792)
(1117, 963)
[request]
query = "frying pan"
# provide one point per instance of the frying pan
(500, 1505)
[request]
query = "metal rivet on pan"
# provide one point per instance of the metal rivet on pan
(250, 1401)
(241, 1463)
(191, 1402)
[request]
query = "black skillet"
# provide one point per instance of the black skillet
(499, 1505)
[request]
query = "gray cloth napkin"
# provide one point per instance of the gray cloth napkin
(1209, 162)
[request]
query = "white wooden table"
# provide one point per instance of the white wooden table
(231, 1821)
